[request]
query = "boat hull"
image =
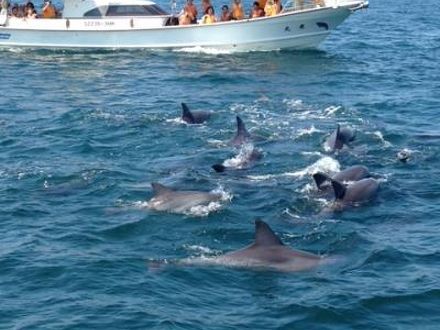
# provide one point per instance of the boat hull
(294, 30)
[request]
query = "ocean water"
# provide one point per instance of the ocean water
(83, 134)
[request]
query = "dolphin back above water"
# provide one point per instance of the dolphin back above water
(247, 156)
(339, 137)
(194, 117)
(266, 252)
(167, 199)
(357, 192)
(242, 136)
(350, 174)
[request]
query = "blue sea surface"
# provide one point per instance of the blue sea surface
(83, 134)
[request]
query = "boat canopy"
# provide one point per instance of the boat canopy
(109, 8)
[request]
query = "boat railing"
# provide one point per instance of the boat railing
(298, 5)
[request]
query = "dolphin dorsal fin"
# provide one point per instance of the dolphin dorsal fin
(339, 189)
(264, 235)
(186, 114)
(320, 178)
(241, 128)
(338, 132)
(159, 189)
(219, 168)
(339, 140)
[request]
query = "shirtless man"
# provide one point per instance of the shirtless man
(237, 10)
(185, 18)
(226, 15)
(256, 11)
(191, 10)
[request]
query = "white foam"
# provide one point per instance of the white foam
(308, 188)
(241, 160)
(100, 114)
(199, 249)
(290, 214)
(308, 131)
(386, 143)
(311, 153)
(217, 143)
(177, 120)
(263, 177)
(293, 103)
(331, 110)
(141, 205)
(202, 50)
(325, 164)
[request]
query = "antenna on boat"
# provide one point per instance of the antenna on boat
(174, 7)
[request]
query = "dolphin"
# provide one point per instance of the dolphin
(242, 136)
(266, 252)
(357, 192)
(247, 156)
(167, 199)
(353, 173)
(339, 137)
(194, 117)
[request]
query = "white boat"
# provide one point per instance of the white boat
(119, 24)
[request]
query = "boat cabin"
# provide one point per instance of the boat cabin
(105, 9)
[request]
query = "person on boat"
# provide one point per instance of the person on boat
(279, 6)
(271, 8)
(185, 18)
(209, 16)
(49, 10)
(205, 5)
(262, 4)
(226, 14)
(15, 11)
(30, 11)
(237, 11)
(22, 11)
(256, 11)
(4, 6)
(191, 10)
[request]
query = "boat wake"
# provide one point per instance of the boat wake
(202, 50)
(325, 164)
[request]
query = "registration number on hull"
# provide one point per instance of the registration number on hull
(98, 23)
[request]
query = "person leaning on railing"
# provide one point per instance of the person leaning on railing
(226, 14)
(209, 16)
(191, 11)
(271, 8)
(185, 18)
(237, 11)
(256, 11)
(49, 10)
(205, 5)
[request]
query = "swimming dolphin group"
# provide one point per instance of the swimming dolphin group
(169, 200)
(353, 173)
(350, 186)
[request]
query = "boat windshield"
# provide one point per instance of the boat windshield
(110, 11)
